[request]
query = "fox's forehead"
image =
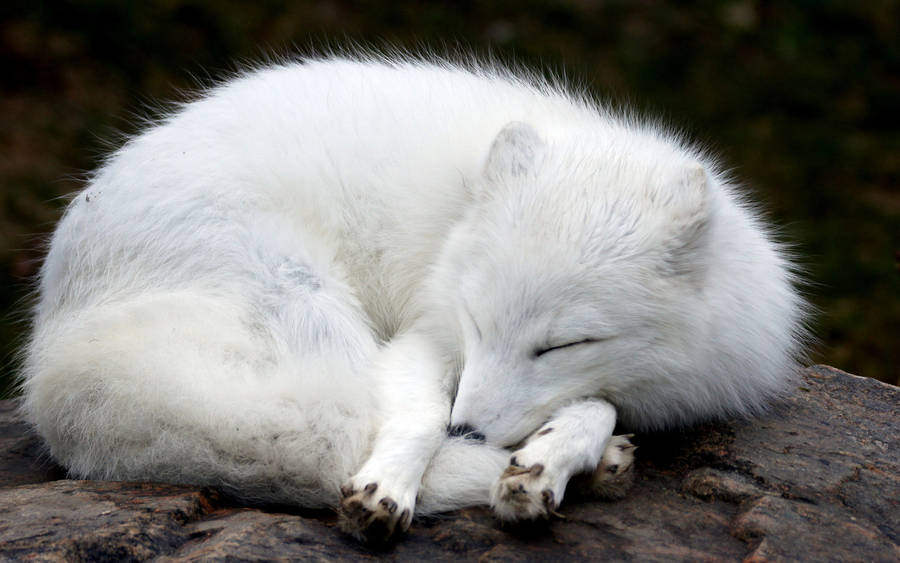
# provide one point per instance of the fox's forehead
(556, 292)
(574, 234)
(587, 217)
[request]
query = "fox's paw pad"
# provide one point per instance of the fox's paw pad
(368, 516)
(615, 473)
(523, 493)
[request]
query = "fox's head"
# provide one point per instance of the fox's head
(579, 263)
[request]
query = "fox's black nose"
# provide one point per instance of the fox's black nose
(465, 431)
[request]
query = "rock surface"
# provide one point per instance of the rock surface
(818, 479)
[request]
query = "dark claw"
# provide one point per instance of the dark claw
(548, 497)
(536, 469)
(404, 519)
(370, 488)
(389, 505)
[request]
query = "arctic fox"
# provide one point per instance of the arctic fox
(293, 286)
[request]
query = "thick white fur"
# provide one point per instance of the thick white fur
(297, 281)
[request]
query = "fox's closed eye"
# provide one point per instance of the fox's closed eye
(541, 351)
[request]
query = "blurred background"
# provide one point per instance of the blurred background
(799, 98)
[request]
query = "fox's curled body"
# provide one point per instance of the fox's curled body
(299, 280)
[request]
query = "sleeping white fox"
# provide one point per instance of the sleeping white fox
(291, 287)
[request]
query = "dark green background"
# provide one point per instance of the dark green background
(799, 98)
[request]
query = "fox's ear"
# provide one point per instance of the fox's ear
(687, 209)
(517, 151)
(692, 195)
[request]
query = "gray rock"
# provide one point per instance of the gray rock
(21, 459)
(818, 479)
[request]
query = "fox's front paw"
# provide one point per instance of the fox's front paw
(524, 493)
(534, 483)
(614, 475)
(372, 513)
